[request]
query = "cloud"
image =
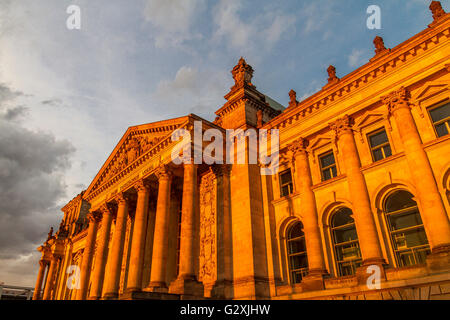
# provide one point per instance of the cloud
(173, 20)
(356, 58)
(192, 91)
(261, 31)
(32, 166)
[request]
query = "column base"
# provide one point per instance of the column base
(314, 280)
(222, 290)
(156, 286)
(110, 296)
(187, 287)
(439, 259)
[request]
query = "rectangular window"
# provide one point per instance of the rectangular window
(328, 166)
(286, 186)
(379, 145)
(441, 119)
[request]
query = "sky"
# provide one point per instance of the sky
(68, 96)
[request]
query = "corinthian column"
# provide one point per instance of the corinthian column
(310, 221)
(161, 240)
(364, 220)
(436, 222)
(38, 287)
(102, 253)
(115, 263)
(186, 281)
(50, 277)
(85, 271)
(134, 282)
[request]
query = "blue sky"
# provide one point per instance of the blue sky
(134, 62)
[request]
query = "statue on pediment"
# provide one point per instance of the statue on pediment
(132, 152)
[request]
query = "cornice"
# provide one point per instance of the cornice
(363, 76)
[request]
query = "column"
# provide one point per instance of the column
(102, 254)
(160, 240)
(50, 277)
(186, 282)
(364, 220)
(115, 263)
(436, 222)
(138, 242)
(316, 263)
(88, 253)
(38, 287)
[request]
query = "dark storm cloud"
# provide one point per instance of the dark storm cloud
(32, 166)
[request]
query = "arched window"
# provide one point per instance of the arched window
(296, 251)
(405, 225)
(345, 241)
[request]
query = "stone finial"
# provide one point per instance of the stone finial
(379, 45)
(50, 234)
(332, 74)
(293, 98)
(437, 10)
(242, 73)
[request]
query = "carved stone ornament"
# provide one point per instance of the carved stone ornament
(93, 217)
(397, 99)
(142, 186)
(121, 198)
(293, 99)
(242, 73)
(207, 272)
(437, 10)
(342, 125)
(163, 173)
(332, 74)
(298, 146)
(379, 45)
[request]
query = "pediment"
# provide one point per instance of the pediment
(136, 142)
(429, 90)
(369, 119)
(320, 141)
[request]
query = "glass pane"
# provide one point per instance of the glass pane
(399, 200)
(296, 231)
(297, 246)
(440, 113)
(349, 268)
(285, 191)
(333, 169)
(326, 175)
(405, 220)
(342, 217)
(387, 151)
(421, 255)
(406, 258)
(378, 138)
(441, 130)
(327, 160)
(299, 262)
(344, 235)
(286, 177)
(377, 154)
(296, 277)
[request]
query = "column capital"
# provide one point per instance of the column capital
(396, 100)
(342, 125)
(93, 216)
(163, 173)
(121, 198)
(106, 209)
(43, 263)
(298, 146)
(142, 186)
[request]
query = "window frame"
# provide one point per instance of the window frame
(335, 245)
(445, 120)
(322, 169)
(392, 232)
(303, 271)
(380, 146)
(289, 184)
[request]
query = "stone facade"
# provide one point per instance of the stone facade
(364, 183)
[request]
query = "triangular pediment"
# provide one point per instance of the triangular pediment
(137, 141)
(430, 89)
(369, 119)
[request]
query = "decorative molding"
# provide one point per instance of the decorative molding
(397, 99)
(342, 125)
